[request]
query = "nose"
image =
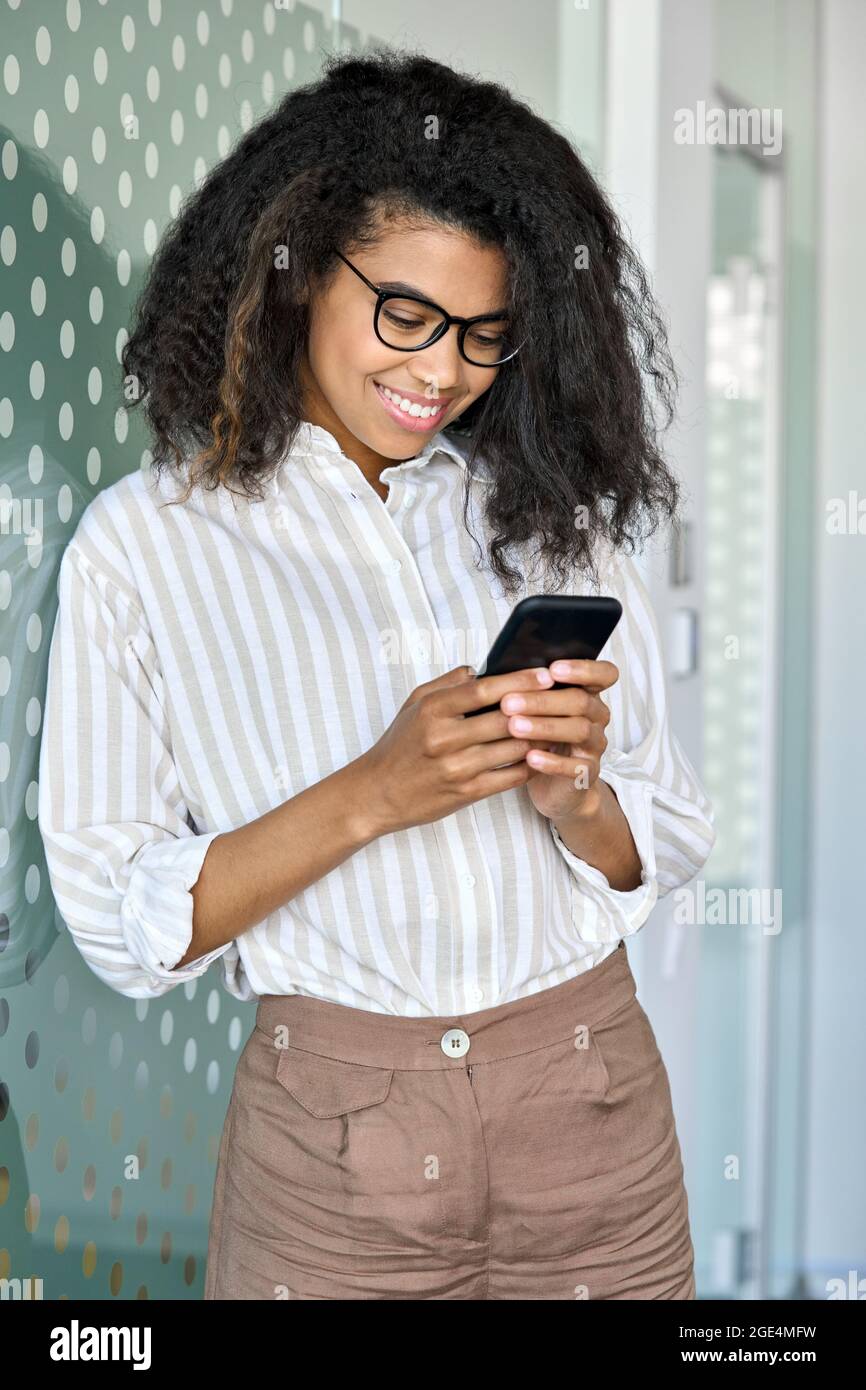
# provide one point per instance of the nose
(440, 363)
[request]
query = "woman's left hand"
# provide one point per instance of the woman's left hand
(568, 728)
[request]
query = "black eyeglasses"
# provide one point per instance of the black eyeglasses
(407, 323)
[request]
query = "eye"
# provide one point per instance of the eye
(401, 320)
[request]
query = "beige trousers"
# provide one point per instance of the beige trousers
(526, 1151)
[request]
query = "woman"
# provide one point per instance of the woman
(255, 741)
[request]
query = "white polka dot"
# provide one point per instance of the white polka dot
(178, 52)
(8, 245)
(127, 110)
(7, 331)
(67, 338)
(94, 466)
(100, 64)
(43, 45)
(235, 1033)
(202, 27)
(152, 84)
(225, 69)
(64, 503)
(73, 14)
(288, 63)
(246, 115)
(5, 674)
(95, 305)
(37, 295)
(35, 464)
(190, 1053)
(248, 46)
(154, 11)
(268, 86)
(124, 189)
(97, 144)
(97, 225)
(199, 171)
(40, 212)
(65, 420)
(4, 841)
(5, 758)
(68, 256)
(9, 159)
(175, 198)
(71, 93)
(224, 141)
(226, 7)
(7, 417)
(166, 1027)
(150, 236)
(31, 883)
(33, 715)
(70, 174)
(41, 128)
(151, 160)
(33, 632)
(201, 101)
(176, 126)
(309, 35)
(94, 385)
(269, 19)
(127, 33)
(124, 266)
(11, 74)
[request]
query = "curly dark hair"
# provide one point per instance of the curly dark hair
(568, 429)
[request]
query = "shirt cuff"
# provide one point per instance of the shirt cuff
(631, 908)
(157, 909)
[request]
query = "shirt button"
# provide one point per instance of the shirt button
(476, 995)
(393, 566)
(469, 880)
(455, 1043)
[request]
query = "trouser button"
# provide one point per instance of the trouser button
(455, 1043)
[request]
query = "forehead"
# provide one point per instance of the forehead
(438, 262)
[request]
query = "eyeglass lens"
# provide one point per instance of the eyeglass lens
(410, 323)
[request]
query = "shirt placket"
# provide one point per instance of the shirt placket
(382, 545)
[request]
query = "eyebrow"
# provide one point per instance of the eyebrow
(403, 287)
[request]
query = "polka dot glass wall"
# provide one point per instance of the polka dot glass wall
(111, 111)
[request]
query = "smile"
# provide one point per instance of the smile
(410, 414)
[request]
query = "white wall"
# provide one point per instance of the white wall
(836, 1206)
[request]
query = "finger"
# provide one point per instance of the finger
(573, 701)
(581, 771)
(597, 675)
(558, 729)
(488, 690)
(458, 676)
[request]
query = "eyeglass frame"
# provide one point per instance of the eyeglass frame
(382, 296)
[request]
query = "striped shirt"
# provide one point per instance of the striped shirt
(211, 659)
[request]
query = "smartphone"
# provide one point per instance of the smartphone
(549, 627)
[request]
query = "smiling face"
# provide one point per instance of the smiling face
(348, 371)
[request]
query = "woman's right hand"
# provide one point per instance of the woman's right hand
(431, 761)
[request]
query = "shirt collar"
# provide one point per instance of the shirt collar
(312, 440)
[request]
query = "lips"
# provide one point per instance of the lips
(415, 424)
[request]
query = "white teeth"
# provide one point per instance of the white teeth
(424, 412)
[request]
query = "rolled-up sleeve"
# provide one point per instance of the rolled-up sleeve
(659, 792)
(120, 844)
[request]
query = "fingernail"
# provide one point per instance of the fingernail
(544, 676)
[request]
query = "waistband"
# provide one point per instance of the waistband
(414, 1044)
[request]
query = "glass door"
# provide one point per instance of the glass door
(741, 911)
